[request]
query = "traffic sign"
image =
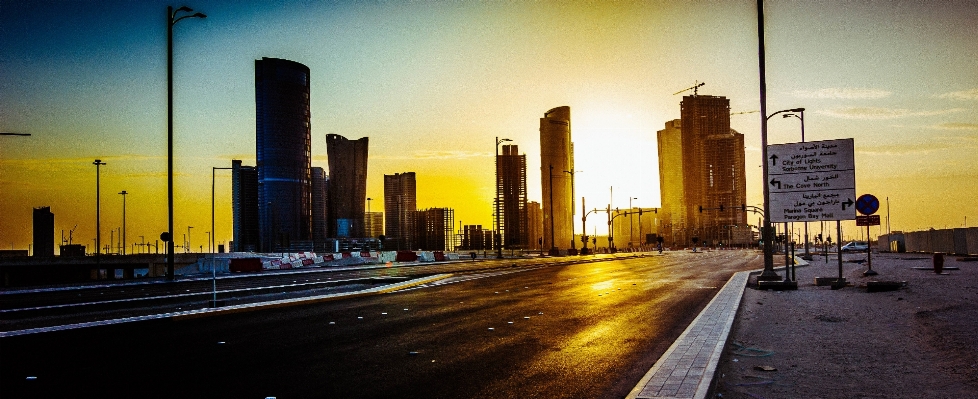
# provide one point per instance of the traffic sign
(812, 181)
(867, 204)
(871, 220)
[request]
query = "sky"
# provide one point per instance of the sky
(433, 83)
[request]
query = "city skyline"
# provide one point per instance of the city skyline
(431, 84)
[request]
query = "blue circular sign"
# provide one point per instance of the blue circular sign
(867, 204)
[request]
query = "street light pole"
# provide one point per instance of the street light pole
(801, 115)
(171, 19)
(189, 247)
(631, 227)
(98, 211)
(124, 193)
(497, 237)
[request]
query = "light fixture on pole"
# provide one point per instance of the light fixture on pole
(124, 193)
(171, 19)
(631, 214)
(801, 116)
(768, 274)
(98, 211)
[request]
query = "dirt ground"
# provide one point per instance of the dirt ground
(920, 341)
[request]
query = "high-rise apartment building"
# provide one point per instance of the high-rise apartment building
(511, 186)
(534, 230)
(373, 224)
(283, 153)
(433, 229)
(43, 232)
(475, 238)
(556, 169)
(347, 186)
(400, 203)
(701, 165)
(320, 203)
(244, 207)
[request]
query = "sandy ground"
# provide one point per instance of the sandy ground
(920, 341)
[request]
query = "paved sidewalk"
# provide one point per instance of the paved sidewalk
(687, 367)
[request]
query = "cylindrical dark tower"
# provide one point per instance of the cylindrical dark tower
(284, 156)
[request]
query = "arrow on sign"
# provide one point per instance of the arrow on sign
(774, 160)
(849, 202)
(777, 182)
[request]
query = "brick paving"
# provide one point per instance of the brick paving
(687, 367)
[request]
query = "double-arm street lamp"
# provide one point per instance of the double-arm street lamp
(98, 210)
(768, 273)
(497, 236)
(124, 193)
(801, 116)
(171, 19)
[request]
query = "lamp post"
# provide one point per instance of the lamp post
(171, 19)
(124, 193)
(497, 237)
(631, 232)
(188, 248)
(801, 116)
(98, 211)
(768, 273)
(213, 236)
(571, 173)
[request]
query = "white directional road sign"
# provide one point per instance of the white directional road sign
(812, 181)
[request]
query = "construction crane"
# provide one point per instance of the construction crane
(695, 88)
(745, 112)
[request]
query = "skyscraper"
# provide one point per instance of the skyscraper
(400, 204)
(701, 164)
(433, 229)
(347, 186)
(511, 183)
(556, 166)
(373, 224)
(534, 230)
(43, 232)
(283, 147)
(244, 207)
(320, 203)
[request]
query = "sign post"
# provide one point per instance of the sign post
(868, 204)
(813, 181)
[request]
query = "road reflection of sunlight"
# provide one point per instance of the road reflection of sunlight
(603, 286)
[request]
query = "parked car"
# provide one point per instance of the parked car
(855, 246)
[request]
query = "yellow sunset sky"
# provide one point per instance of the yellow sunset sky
(433, 83)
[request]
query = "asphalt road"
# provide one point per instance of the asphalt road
(574, 331)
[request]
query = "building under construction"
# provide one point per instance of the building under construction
(511, 189)
(476, 238)
(701, 172)
(433, 229)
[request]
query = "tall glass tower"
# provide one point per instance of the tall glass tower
(284, 156)
(347, 186)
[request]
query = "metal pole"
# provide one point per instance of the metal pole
(169, 141)
(123, 221)
(98, 212)
(766, 233)
(838, 248)
(583, 228)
